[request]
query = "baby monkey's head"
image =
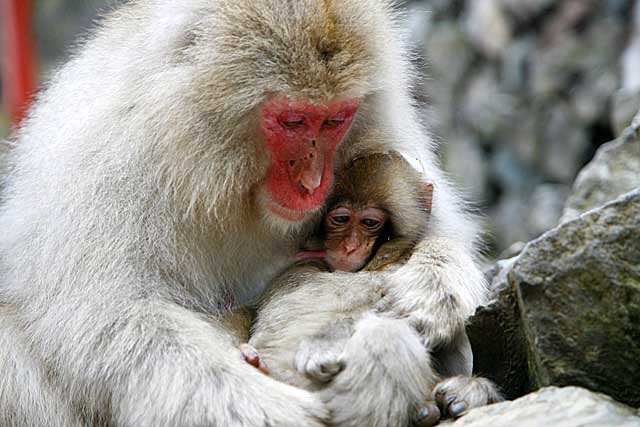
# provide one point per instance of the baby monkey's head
(376, 198)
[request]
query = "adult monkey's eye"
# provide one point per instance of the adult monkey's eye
(370, 223)
(290, 124)
(340, 219)
(333, 122)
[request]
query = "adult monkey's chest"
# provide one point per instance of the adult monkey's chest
(255, 262)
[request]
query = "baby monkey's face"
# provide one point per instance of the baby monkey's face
(351, 235)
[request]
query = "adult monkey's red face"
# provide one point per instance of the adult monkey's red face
(302, 138)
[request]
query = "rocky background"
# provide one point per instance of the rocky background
(566, 310)
(527, 98)
(522, 93)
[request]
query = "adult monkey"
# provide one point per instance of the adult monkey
(173, 164)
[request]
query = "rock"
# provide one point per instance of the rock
(515, 63)
(566, 310)
(526, 9)
(545, 207)
(631, 56)
(465, 163)
(511, 251)
(487, 108)
(592, 97)
(578, 289)
(626, 104)
(445, 38)
(510, 214)
(570, 313)
(498, 341)
(534, 79)
(554, 66)
(520, 132)
(487, 26)
(496, 274)
(418, 23)
(554, 407)
(597, 72)
(446, 71)
(564, 144)
(613, 172)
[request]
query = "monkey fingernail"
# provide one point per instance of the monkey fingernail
(451, 399)
(250, 355)
(457, 408)
(423, 413)
(263, 368)
(428, 416)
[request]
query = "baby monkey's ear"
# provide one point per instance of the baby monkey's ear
(427, 197)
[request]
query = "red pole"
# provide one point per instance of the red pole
(18, 67)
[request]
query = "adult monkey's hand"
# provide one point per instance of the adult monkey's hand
(438, 288)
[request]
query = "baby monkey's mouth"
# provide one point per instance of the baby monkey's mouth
(345, 263)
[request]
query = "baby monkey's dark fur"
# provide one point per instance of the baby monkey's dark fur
(388, 182)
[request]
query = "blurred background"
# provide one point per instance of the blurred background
(520, 92)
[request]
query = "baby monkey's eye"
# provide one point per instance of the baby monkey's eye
(370, 223)
(340, 219)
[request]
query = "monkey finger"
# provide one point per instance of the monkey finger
(428, 415)
(250, 355)
(325, 370)
(320, 366)
(458, 395)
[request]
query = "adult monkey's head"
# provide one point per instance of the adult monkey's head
(284, 85)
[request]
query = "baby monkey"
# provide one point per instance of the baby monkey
(306, 319)
(377, 212)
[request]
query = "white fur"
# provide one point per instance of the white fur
(387, 376)
(128, 216)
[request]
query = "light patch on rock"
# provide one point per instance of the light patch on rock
(615, 170)
(553, 407)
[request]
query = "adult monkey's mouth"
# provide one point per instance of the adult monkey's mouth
(286, 213)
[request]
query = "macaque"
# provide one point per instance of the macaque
(171, 169)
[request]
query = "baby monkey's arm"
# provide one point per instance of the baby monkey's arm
(395, 251)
